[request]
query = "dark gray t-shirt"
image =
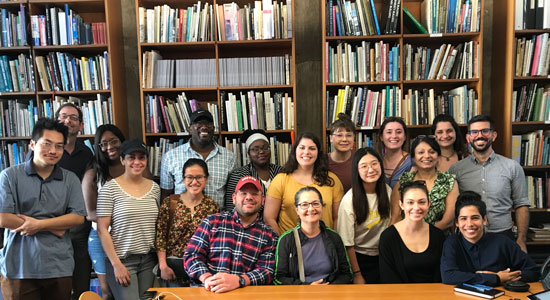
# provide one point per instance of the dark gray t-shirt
(317, 263)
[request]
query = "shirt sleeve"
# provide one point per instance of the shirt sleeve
(530, 272)
(265, 266)
(276, 188)
(74, 193)
(7, 203)
(196, 255)
(519, 187)
(387, 258)
(346, 220)
(451, 273)
(162, 225)
(166, 178)
(105, 203)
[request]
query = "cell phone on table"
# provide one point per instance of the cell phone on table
(151, 294)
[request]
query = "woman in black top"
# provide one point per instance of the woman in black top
(410, 250)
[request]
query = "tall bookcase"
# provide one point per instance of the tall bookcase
(90, 11)
(400, 39)
(212, 93)
(504, 82)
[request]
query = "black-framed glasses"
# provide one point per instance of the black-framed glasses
(198, 178)
(72, 117)
(484, 131)
(423, 136)
(258, 148)
(112, 143)
(305, 205)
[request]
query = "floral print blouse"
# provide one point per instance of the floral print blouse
(442, 186)
(174, 240)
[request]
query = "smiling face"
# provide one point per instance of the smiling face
(48, 149)
(110, 145)
(202, 132)
(342, 140)
(195, 179)
(69, 116)
(369, 169)
(306, 152)
(314, 210)
(134, 163)
(259, 153)
(445, 134)
(471, 224)
(393, 136)
(415, 204)
(248, 200)
(425, 156)
(480, 142)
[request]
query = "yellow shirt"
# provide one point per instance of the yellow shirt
(284, 187)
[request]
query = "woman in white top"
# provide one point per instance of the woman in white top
(129, 204)
(364, 214)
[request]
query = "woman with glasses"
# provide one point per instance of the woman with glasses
(323, 257)
(306, 166)
(364, 213)
(105, 166)
(442, 186)
(129, 206)
(179, 217)
(342, 139)
(410, 250)
(393, 135)
(260, 166)
(449, 138)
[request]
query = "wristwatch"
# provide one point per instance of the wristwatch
(242, 282)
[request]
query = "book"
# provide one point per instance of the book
(478, 290)
(412, 23)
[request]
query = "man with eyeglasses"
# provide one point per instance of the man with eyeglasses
(201, 145)
(39, 202)
(233, 249)
(499, 180)
(77, 158)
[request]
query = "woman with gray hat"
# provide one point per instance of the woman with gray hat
(129, 204)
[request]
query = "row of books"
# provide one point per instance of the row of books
(157, 151)
(279, 150)
(533, 56)
(177, 73)
(264, 20)
(537, 191)
(531, 103)
(368, 108)
(14, 28)
(16, 74)
(249, 71)
(345, 17)
(164, 24)
(167, 115)
(60, 71)
(451, 16)
(532, 14)
(12, 154)
(362, 62)
(83, 33)
(256, 110)
(18, 117)
(446, 62)
(532, 148)
(541, 233)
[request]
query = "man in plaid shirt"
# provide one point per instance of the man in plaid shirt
(233, 249)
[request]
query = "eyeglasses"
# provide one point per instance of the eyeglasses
(305, 205)
(423, 136)
(48, 146)
(198, 178)
(65, 116)
(342, 136)
(113, 142)
(258, 148)
(484, 131)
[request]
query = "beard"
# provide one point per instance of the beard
(488, 143)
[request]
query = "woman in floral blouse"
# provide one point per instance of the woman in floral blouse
(179, 217)
(442, 186)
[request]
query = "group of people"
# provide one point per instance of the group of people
(364, 215)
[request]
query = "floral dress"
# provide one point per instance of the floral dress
(174, 240)
(442, 186)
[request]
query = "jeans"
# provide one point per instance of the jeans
(140, 267)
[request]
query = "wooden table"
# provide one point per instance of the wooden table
(429, 291)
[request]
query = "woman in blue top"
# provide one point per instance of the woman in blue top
(393, 135)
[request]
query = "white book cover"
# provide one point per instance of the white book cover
(62, 28)
(267, 9)
(150, 28)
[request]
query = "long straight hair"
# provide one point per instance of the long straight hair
(359, 199)
(101, 161)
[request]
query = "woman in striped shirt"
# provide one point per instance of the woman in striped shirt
(129, 204)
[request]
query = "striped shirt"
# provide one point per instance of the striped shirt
(222, 244)
(247, 170)
(220, 163)
(133, 219)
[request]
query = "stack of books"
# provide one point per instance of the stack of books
(14, 27)
(451, 16)
(360, 17)
(532, 14)
(532, 148)
(157, 151)
(177, 73)
(16, 74)
(539, 234)
(18, 117)
(250, 71)
(533, 56)
(531, 103)
(12, 154)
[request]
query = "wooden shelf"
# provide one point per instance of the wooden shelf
(14, 138)
(546, 167)
(531, 209)
(16, 94)
(175, 90)
(87, 92)
(531, 243)
(340, 84)
(256, 87)
(9, 50)
(267, 131)
(364, 37)
(442, 81)
(81, 48)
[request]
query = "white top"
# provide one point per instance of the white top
(133, 219)
(365, 236)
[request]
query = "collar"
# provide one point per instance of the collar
(56, 174)
(469, 246)
(78, 147)
(237, 219)
(303, 237)
(187, 148)
(490, 159)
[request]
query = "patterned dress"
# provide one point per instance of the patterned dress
(442, 186)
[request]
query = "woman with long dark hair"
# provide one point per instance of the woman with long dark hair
(306, 166)
(393, 137)
(450, 140)
(364, 214)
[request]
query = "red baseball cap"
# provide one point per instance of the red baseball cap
(247, 180)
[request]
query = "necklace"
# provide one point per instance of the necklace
(448, 158)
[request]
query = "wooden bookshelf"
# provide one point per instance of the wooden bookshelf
(403, 37)
(90, 11)
(216, 49)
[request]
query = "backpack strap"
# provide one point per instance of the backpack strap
(300, 257)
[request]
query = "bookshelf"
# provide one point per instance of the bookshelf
(406, 92)
(509, 77)
(38, 96)
(244, 63)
